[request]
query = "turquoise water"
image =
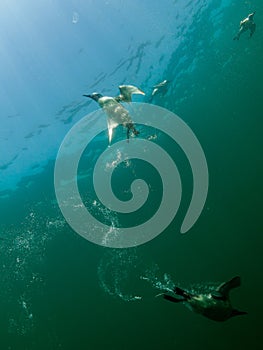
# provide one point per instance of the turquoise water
(60, 291)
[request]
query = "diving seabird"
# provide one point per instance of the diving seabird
(116, 113)
(160, 88)
(215, 305)
(247, 24)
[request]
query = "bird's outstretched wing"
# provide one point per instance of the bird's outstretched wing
(126, 92)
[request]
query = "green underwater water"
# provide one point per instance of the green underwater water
(59, 291)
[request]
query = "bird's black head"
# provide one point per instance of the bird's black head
(95, 96)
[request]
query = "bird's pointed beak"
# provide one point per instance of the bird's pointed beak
(87, 96)
(139, 91)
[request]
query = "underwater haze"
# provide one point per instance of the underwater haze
(61, 291)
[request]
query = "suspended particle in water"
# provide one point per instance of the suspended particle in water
(75, 17)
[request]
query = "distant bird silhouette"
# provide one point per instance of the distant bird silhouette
(160, 88)
(247, 24)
